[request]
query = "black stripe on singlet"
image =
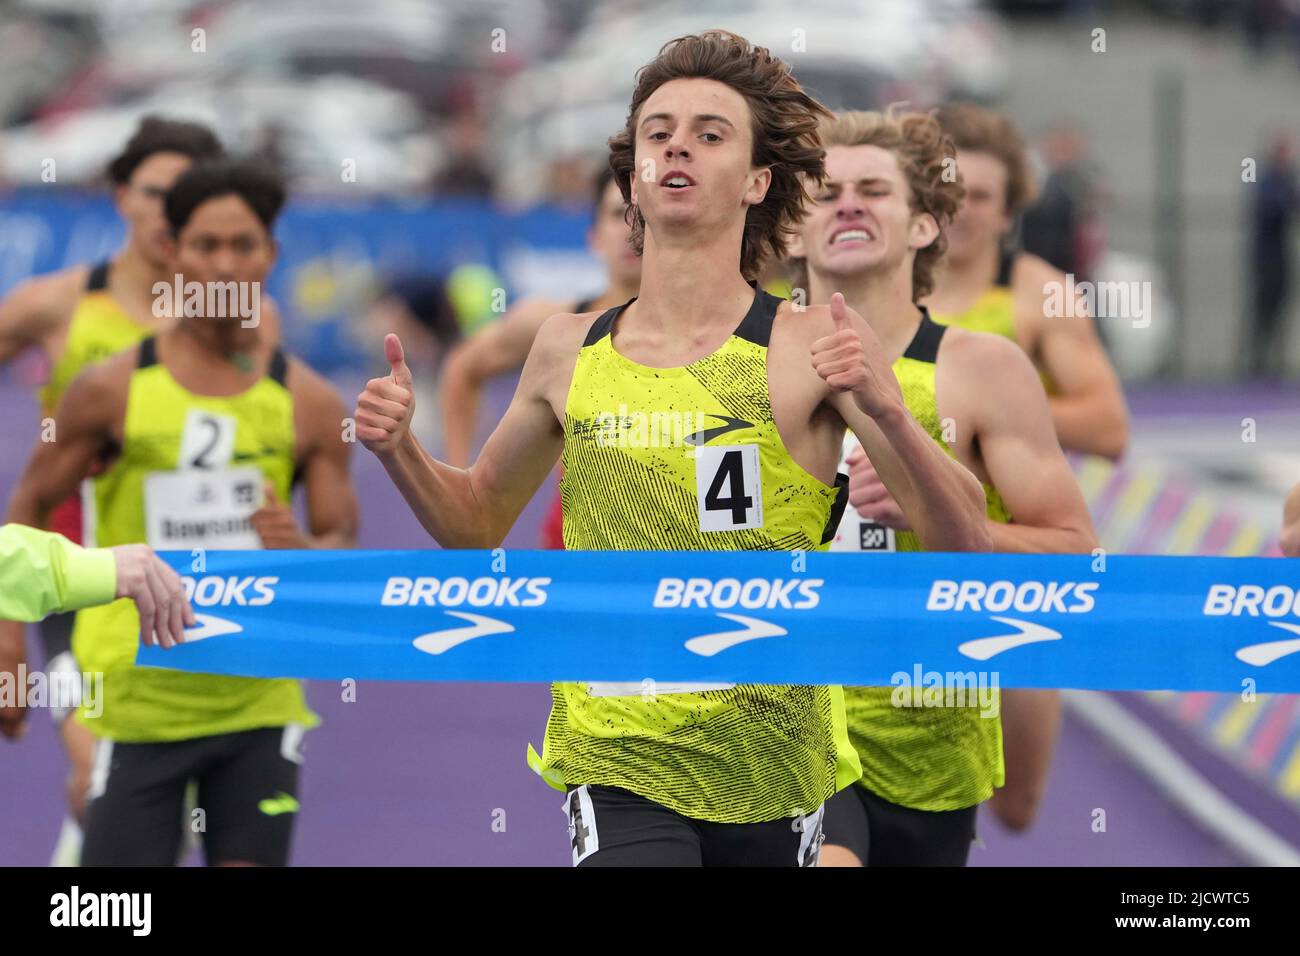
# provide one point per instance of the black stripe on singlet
(837, 507)
(755, 327)
(148, 353)
(924, 346)
(277, 372)
(279, 369)
(98, 278)
(604, 324)
(1006, 262)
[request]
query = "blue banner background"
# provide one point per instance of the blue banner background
(1145, 631)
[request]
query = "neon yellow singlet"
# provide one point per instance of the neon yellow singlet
(145, 704)
(736, 754)
(994, 311)
(99, 328)
(926, 758)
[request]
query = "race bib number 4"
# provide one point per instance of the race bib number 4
(729, 495)
(203, 509)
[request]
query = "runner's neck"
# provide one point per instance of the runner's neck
(883, 299)
(691, 288)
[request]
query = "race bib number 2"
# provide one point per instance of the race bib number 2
(728, 492)
(207, 441)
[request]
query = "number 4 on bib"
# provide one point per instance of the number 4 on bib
(728, 492)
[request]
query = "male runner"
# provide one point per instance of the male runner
(718, 137)
(196, 422)
(81, 315)
(504, 345)
(875, 233)
(985, 285)
(1290, 540)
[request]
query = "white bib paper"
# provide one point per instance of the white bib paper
(201, 508)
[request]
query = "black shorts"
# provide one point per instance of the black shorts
(56, 635)
(609, 826)
(247, 799)
(881, 833)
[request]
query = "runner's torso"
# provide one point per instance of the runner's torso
(188, 476)
(927, 758)
(690, 458)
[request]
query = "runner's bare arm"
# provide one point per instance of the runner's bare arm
(477, 506)
(83, 423)
(943, 502)
(500, 347)
(324, 462)
(83, 426)
(1088, 408)
(1291, 524)
(1002, 396)
(32, 312)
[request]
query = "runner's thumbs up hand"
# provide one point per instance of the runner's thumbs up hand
(851, 359)
(275, 524)
(386, 406)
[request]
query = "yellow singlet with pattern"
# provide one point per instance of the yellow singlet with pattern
(690, 458)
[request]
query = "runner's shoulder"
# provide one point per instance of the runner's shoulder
(103, 384)
(1031, 272)
(562, 333)
(806, 323)
(309, 387)
(990, 364)
(50, 298)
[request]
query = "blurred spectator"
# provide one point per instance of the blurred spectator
(1277, 201)
(1062, 226)
(464, 173)
(569, 181)
(418, 308)
(1263, 21)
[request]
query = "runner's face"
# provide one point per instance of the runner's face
(608, 238)
(698, 129)
(224, 241)
(860, 220)
(982, 220)
(140, 203)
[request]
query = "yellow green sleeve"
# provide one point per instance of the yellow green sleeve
(43, 573)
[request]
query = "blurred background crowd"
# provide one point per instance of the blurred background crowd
(441, 151)
(454, 139)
